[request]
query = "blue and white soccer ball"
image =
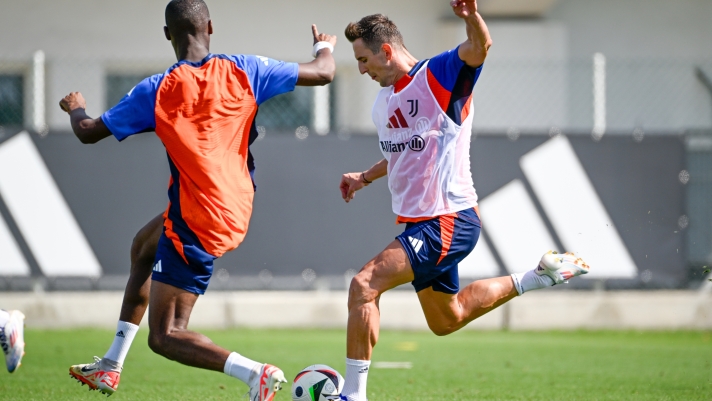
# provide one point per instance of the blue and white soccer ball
(317, 383)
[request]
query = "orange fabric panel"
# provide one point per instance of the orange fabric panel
(447, 229)
(402, 83)
(171, 235)
(466, 109)
(441, 94)
(203, 117)
(403, 220)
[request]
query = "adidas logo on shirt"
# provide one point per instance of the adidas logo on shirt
(157, 267)
(415, 243)
(397, 120)
(264, 59)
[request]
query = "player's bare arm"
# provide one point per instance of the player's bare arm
(474, 50)
(352, 182)
(322, 69)
(87, 129)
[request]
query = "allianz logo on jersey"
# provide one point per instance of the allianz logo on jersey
(402, 136)
(40, 217)
(415, 143)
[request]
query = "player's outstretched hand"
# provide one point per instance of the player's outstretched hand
(350, 183)
(322, 37)
(73, 101)
(464, 8)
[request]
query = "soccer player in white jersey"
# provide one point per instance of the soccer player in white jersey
(12, 338)
(424, 119)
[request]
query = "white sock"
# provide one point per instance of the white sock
(241, 368)
(528, 281)
(4, 317)
(125, 333)
(355, 381)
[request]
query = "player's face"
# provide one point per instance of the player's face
(375, 65)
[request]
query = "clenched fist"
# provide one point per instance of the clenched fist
(73, 101)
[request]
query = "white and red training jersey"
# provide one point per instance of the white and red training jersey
(424, 126)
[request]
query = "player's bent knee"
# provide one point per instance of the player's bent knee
(445, 326)
(443, 331)
(360, 291)
(158, 342)
(154, 342)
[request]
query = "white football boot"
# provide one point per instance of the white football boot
(267, 383)
(12, 340)
(561, 266)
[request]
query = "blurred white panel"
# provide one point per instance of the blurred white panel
(74, 75)
(12, 263)
(514, 8)
(355, 94)
(515, 227)
(575, 210)
(41, 213)
(526, 62)
(479, 263)
(530, 40)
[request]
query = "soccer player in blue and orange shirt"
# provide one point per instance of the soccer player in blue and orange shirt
(203, 109)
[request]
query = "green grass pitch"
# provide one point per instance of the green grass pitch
(464, 366)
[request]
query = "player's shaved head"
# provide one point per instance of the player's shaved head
(187, 16)
(375, 30)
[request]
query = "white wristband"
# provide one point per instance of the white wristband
(321, 45)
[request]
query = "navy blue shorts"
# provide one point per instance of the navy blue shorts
(436, 246)
(188, 270)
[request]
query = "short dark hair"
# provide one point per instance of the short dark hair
(186, 16)
(375, 30)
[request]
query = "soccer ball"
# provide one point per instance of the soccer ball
(317, 383)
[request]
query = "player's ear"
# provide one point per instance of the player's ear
(210, 27)
(387, 50)
(167, 32)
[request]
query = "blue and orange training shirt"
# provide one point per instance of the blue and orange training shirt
(204, 113)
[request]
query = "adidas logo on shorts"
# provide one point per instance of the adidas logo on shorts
(157, 267)
(415, 243)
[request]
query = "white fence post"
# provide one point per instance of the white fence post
(38, 93)
(599, 96)
(320, 110)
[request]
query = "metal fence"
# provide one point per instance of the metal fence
(638, 98)
(513, 97)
